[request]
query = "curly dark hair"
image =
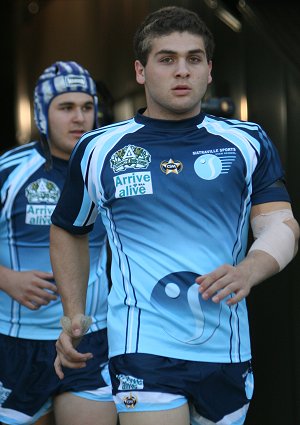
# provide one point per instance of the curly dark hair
(165, 21)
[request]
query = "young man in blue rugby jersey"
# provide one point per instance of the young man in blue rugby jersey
(177, 190)
(31, 181)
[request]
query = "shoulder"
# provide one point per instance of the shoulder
(233, 124)
(20, 151)
(244, 134)
(18, 155)
(104, 137)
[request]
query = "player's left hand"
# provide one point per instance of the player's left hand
(225, 281)
(68, 356)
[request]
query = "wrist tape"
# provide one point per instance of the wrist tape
(85, 323)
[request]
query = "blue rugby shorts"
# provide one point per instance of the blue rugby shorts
(216, 392)
(28, 380)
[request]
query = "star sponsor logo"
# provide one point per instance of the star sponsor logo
(171, 166)
(130, 156)
(130, 401)
(128, 382)
(133, 184)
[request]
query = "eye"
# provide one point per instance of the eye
(88, 107)
(195, 59)
(66, 108)
(167, 59)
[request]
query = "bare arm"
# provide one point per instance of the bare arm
(30, 288)
(255, 268)
(70, 262)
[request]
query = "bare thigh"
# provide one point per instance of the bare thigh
(70, 409)
(46, 420)
(178, 416)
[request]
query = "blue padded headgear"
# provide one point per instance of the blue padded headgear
(59, 78)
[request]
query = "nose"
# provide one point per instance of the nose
(78, 115)
(182, 70)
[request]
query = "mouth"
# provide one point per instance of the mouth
(77, 133)
(181, 89)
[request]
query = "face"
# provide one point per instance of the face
(69, 116)
(175, 77)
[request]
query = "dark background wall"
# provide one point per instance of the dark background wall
(261, 63)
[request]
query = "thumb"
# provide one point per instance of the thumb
(80, 324)
(77, 326)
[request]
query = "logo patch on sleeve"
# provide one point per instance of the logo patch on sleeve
(133, 184)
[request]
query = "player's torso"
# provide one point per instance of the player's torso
(30, 194)
(176, 206)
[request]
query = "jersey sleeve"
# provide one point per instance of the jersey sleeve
(75, 211)
(268, 179)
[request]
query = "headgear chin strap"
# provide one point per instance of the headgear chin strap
(59, 78)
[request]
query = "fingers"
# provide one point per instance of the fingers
(31, 305)
(40, 291)
(42, 280)
(35, 298)
(58, 368)
(224, 282)
(68, 356)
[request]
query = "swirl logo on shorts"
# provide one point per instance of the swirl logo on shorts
(185, 316)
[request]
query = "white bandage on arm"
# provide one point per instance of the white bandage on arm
(273, 236)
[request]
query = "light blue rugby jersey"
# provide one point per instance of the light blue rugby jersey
(175, 198)
(28, 197)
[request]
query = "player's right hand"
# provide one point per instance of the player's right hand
(32, 288)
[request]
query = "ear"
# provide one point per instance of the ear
(209, 73)
(139, 72)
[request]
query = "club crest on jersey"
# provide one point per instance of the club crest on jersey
(130, 157)
(130, 401)
(210, 164)
(4, 393)
(42, 190)
(42, 196)
(171, 166)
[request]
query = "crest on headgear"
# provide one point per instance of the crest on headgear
(59, 78)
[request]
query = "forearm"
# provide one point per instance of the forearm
(256, 267)
(70, 262)
(6, 275)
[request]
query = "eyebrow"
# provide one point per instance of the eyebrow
(67, 103)
(172, 52)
